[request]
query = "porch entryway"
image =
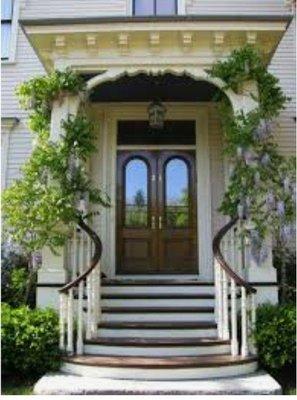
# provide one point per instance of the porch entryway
(156, 218)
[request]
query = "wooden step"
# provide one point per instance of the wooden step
(112, 310)
(154, 282)
(157, 342)
(158, 362)
(158, 325)
(141, 296)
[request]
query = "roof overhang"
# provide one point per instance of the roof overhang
(90, 44)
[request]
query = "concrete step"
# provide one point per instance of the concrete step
(59, 383)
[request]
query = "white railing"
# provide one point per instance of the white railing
(235, 298)
(80, 309)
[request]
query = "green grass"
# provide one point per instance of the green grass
(17, 386)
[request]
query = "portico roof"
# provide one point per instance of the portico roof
(92, 44)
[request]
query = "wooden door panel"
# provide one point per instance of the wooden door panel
(136, 199)
(177, 210)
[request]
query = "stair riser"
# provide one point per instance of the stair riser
(162, 374)
(158, 351)
(157, 333)
(158, 289)
(175, 303)
(164, 316)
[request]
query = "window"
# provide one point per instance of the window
(154, 7)
(6, 25)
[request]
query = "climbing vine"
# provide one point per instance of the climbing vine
(42, 207)
(262, 187)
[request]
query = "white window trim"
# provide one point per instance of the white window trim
(14, 33)
(181, 7)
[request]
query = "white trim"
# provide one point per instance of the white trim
(129, 7)
(181, 7)
(138, 111)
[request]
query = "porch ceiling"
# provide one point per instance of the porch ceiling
(94, 44)
(145, 88)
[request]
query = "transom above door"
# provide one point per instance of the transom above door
(156, 212)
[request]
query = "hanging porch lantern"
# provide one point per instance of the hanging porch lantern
(156, 114)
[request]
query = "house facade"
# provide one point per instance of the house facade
(165, 179)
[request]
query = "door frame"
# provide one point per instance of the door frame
(103, 170)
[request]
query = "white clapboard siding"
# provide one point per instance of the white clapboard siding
(84, 8)
(27, 65)
(283, 66)
(235, 6)
(75, 8)
(18, 150)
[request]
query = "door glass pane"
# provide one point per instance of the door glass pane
(166, 7)
(136, 194)
(143, 7)
(177, 194)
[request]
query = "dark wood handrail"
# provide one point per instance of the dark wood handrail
(94, 261)
(220, 259)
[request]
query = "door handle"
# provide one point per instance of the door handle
(153, 222)
(160, 222)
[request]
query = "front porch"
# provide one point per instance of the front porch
(169, 276)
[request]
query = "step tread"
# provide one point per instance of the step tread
(159, 325)
(155, 282)
(155, 296)
(126, 341)
(159, 362)
(145, 309)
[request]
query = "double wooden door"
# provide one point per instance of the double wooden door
(156, 212)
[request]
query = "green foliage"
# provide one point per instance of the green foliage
(30, 341)
(54, 179)
(275, 335)
(259, 171)
(246, 64)
(16, 291)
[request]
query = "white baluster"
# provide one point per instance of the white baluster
(62, 321)
(233, 260)
(93, 302)
(226, 334)
(234, 341)
(216, 279)
(220, 300)
(89, 308)
(244, 347)
(79, 347)
(98, 291)
(70, 321)
(74, 254)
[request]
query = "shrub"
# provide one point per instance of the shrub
(275, 335)
(30, 341)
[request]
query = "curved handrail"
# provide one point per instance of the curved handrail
(94, 261)
(220, 259)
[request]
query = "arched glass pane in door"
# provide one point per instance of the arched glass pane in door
(177, 193)
(136, 193)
